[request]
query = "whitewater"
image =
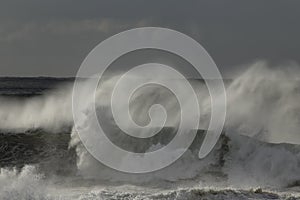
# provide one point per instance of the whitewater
(257, 156)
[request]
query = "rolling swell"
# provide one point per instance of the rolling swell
(48, 151)
(39, 146)
(233, 157)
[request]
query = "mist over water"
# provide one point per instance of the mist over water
(264, 103)
(261, 102)
(51, 111)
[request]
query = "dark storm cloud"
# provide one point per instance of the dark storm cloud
(52, 37)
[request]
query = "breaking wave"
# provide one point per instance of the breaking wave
(260, 145)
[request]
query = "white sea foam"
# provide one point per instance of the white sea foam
(24, 184)
(28, 184)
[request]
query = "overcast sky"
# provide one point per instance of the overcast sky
(52, 37)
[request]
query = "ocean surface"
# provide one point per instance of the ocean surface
(41, 156)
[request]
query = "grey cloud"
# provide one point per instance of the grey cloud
(20, 31)
(233, 32)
